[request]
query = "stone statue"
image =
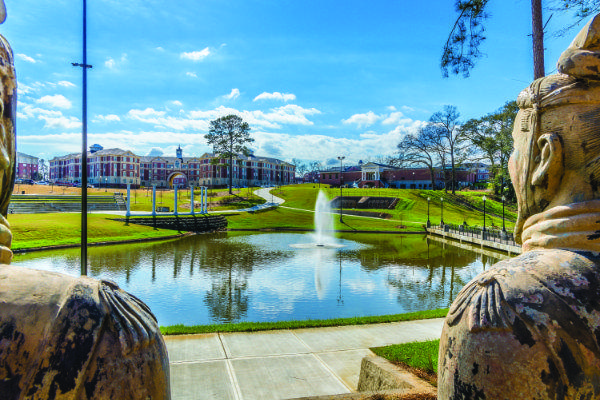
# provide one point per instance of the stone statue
(529, 328)
(63, 337)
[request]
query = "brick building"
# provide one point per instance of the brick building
(27, 166)
(117, 168)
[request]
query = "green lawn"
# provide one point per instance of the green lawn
(312, 323)
(40, 230)
(420, 355)
(411, 209)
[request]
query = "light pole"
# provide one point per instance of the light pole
(341, 158)
(483, 235)
(442, 206)
(428, 221)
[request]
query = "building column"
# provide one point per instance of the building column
(154, 200)
(128, 200)
(192, 199)
(175, 199)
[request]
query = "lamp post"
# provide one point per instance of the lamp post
(428, 221)
(483, 235)
(442, 206)
(341, 158)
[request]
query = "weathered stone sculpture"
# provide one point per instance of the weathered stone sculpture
(63, 337)
(529, 328)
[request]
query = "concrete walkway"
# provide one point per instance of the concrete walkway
(281, 364)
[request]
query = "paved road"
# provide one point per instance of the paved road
(281, 364)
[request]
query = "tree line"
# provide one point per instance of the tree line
(446, 142)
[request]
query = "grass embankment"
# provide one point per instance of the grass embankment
(409, 214)
(311, 323)
(420, 357)
(41, 230)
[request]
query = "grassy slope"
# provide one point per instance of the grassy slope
(39, 230)
(421, 355)
(411, 210)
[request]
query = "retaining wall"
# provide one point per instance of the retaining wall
(194, 223)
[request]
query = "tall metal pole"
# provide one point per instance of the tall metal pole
(85, 66)
(341, 158)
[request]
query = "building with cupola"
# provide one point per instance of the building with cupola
(117, 168)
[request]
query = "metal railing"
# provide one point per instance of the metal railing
(492, 235)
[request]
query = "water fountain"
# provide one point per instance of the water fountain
(323, 236)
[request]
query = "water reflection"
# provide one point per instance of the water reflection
(259, 277)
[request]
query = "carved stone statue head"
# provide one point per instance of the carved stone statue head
(527, 328)
(556, 158)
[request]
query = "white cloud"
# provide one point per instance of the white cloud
(275, 96)
(159, 48)
(191, 74)
(111, 63)
(394, 118)
(195, 55)
(65, 84)
(107, 118)
(148, 112)
(362, 119)
(55, 101)
(60, 122)
(391, 108)
(176, 103)
(26, 58)
(235, 93)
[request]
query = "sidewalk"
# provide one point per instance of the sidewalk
(281, 364)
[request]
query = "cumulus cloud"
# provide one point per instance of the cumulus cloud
(176, 103)
(107, 118)
(60, 122)
(361, 120)
(394, 118)
(26, 58)
(191, 74)
(55, 101)
(148, 112)
(275, 96)
(235, 93)
(195, 55)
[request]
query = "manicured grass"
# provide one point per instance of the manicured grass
(411, 209)
(312, 323)
(41, 230)
(420, 355)
(283, 217)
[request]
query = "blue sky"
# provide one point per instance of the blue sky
(314, 79)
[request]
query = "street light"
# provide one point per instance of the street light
(442, 205)
(428, 221)
(484, 199)
(341, 158)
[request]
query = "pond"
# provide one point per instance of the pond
(232, 277)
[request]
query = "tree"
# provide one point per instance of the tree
(492, 136)
(421, 148)
(451, 141)
(301, 168)
(228, 136)
(466, 36)
(43, 168)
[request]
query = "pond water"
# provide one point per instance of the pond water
(231, 277)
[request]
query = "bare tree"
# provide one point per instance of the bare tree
(421, 149)
(452, 140)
